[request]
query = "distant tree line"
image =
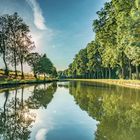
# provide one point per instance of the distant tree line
(115, 52)
(16, 47)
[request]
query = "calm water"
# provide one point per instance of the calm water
(70, 111)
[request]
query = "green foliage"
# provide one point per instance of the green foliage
(33, 60)
(45, 66)
(81, 62)
(115, 52)
(15, 42)
(41, 65)
(16, 46)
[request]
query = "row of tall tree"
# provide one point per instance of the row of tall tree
(16, 47)
(115, 52)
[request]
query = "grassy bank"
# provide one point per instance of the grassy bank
(125, 83)
(17, 82)
(10, 81)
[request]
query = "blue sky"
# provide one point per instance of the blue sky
(60, 28)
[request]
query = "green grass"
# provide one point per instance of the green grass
(120, 82)
(16, 82)
(28, 79)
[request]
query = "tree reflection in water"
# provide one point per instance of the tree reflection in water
(41, 96)
(116, 108)
(16, 118)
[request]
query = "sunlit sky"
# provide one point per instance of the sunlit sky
(60, 28)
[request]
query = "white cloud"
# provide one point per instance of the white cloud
(39, 20)
(41, 134)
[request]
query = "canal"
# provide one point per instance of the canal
(70, 111)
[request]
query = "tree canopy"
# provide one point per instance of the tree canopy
(16, 47)
(115, 51)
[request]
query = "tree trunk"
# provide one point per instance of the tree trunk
(22, 72)
(93, 75)
(35, 75)
(97, 76)
(4, 57)
(89, 75)
(130, 70)
(122, 66)
(15, 64)
(44, 77)
(122, 72)
(102, 72)
(137, 72)
(6, 67)
(106, 73)
(109, 69)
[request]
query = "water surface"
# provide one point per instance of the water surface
(70, 111)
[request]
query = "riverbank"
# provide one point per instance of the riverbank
(12, 83)
(119, 82)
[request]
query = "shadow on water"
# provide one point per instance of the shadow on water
(116, 108)
(16, 118)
